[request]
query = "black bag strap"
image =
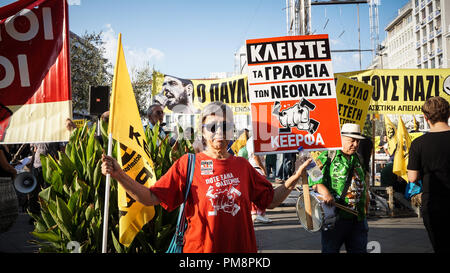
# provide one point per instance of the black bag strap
(341, 199)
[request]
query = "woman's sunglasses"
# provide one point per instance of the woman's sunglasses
(214, 126)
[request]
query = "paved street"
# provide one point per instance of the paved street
(16, 239)
(286, 235)
(283, 235)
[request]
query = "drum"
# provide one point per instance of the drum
(9, 206)
(323, 216)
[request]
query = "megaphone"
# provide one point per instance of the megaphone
(25, 182)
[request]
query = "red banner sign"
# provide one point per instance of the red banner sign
(35, 96)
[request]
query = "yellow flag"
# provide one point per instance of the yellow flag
(391, 134)
(401, 154)
(126, 127)
(239, 143)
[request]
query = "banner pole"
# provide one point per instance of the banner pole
(106, 207)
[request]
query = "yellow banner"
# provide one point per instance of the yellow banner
(126, 127)
(190, 96)
(403, 91)
(353, 100)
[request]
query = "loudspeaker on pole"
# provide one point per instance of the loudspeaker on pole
(98, 100)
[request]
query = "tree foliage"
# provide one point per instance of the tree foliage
(88, 67)
(141, 80)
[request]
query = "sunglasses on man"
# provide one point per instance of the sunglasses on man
(214, 126)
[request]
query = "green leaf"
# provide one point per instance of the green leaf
(116, 243)
(46, 171)
(90, 169)
(63, 213)
(62, 227)
(73, 200)
(79, 161)
(83, 187)
(48, 219)
(47, 236)
(83, 131)
(56, 182)
(97, 174)
(45, 193)
(90, 211)
(67, 167)
(90, 144)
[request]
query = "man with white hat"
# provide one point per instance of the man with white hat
(343, 182)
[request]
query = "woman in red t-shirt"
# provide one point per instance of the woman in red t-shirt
(222, 191)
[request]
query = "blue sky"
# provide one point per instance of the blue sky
(192, 38)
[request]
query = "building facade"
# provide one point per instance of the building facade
(432, 33)
(419, 37)
(400, 40)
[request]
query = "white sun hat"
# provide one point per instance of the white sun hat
(351, 130)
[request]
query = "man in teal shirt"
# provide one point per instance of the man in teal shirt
(349, 229)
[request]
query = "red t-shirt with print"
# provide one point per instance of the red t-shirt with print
(219, 202)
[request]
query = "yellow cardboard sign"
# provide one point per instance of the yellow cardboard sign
(79, 122)
(353, 100)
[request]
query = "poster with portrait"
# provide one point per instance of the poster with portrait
(189, 96)
(292, 94)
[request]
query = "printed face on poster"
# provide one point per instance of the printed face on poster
(190, 96)
(292, 94)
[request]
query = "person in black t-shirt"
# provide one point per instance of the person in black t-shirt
(429, 160)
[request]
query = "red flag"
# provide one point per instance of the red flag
(35, 91)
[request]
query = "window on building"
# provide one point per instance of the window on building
(438, 23)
